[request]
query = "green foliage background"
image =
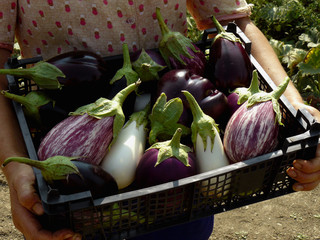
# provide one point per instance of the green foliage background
(293, 30)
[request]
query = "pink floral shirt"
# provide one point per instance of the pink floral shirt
(51, 27)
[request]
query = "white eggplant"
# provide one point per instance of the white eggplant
(205, 154)
(124, 155)
(211, 159)
(208, 146)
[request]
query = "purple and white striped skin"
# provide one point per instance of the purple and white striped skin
(196, 62)
(78, 135)
(251, 132)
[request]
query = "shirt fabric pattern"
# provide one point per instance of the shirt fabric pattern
(51, 27)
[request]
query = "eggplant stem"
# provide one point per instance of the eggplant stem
(21, 72)
(281, 88)
(16, 98)
(33, 163)
(195, 108)
(163, 26)
(219, 27)
(175, 140)
(121, 96)
(172, 148)
(126, 56)
(202, 124)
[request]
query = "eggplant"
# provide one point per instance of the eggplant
(178, 51)
(164, 162)
(124, 155)
(207, 145)
(72, 79)
(229, 66)
(41, 111)
(253, 129)
(68, 176)
(212, 101)
(233, 102)
(216, 106)
(88, 132)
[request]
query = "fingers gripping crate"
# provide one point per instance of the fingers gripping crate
(139, 211)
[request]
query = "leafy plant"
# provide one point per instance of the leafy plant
(293, 29)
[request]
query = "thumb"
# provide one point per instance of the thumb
(23, 182)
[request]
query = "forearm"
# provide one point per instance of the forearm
(11, 141)
(264, 54)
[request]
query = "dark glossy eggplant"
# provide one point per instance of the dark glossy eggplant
(174, 81)
(178, 51)
(166, 161)
(216, 106)
(66, 176)
(72, 79)
(84, 81)
(233, 102)
(229, 65)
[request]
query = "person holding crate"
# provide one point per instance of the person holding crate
(48, 28)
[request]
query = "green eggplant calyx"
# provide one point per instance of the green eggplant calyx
(126, 70)
(244, 93)
(173, 44)
(146, 67)
(44, 74)
(202, 124)
(273, 96)
(222, 33)
(172, 148)
(109, 108)
(164, 119)
(53, 168)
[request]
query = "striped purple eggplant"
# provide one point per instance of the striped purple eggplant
(251, 132)
(253, 128)
(88, 132)
(79, 135)
(178, 51)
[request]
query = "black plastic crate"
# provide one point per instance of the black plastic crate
(135, 212)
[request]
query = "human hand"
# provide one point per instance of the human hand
(307, 172)
(26, 205)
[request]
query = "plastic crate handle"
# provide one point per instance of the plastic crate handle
(309, 138)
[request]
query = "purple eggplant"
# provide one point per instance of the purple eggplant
(72, 79)
(41, 111)
(216, 106)
(233, 102)
(229, 65)
(210, 100)
(85, 79)
(178, 51)
(66, 175)
(253, 129)
(164, 162)
(88, 133)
